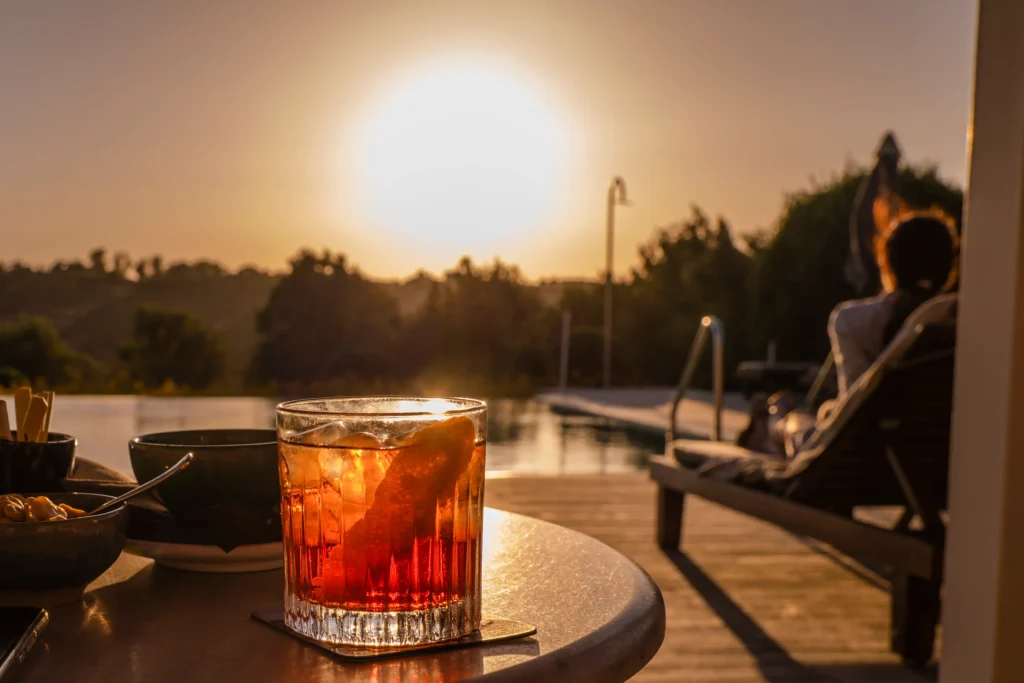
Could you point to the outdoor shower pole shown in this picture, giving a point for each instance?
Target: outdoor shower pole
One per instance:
(616, 196)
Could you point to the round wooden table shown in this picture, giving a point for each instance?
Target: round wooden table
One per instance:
(599, 618)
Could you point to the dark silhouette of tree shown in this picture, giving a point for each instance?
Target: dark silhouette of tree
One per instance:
(252, 271)
(196, 270)
(686, 271)
(585, 301)
(31, 349)
(421, 275)
(98, 260)
(61, 266)
(157, 266)
(209, 269)
(325, 321)
(175, 346)
(122, 262)
(93, 310)
(485, 322)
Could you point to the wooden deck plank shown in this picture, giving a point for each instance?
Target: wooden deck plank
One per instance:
(745, 602)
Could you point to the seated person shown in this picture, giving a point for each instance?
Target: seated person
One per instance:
(917, 259)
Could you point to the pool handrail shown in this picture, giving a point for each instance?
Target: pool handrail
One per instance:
(709, 324)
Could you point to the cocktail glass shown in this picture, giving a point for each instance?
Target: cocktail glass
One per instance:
(382, 513)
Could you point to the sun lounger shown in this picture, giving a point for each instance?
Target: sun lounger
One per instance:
(885, 444)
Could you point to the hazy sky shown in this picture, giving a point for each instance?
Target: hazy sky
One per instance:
(224, 129)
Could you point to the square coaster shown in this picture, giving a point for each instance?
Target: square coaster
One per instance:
(492, 630)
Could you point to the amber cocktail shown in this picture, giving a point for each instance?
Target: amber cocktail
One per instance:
(382, 509)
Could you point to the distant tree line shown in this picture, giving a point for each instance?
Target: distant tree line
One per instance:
(169, 350)
(480, 328)
(163, 346)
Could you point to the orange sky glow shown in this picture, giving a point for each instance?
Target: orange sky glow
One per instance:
(406, 133)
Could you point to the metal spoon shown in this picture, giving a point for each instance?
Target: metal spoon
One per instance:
(142, 488)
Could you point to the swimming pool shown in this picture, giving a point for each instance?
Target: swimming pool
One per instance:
(524, 436)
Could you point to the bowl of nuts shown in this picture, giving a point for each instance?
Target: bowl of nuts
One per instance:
(51, 541)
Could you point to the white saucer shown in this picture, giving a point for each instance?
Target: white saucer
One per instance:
(210, 558)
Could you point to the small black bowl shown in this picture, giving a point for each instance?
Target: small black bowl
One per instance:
(63, 553)
(229, 495)
(29, 466)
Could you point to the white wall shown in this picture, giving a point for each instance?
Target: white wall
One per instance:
(983, 613)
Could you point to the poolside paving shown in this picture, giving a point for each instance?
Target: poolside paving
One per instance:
(745, 601)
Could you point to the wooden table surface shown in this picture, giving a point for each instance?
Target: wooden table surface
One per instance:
(599, 618)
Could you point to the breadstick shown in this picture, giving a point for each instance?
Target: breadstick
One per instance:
(5, 422)
(22, 397)
(34, 418)
(45, 435)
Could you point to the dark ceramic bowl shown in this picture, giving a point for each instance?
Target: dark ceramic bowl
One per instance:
(26, 466)
(230, 491)
(64, 553)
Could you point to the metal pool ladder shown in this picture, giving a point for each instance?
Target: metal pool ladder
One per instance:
(709, 324)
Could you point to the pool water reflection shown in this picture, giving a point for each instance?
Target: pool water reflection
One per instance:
(528, 437)
(524, 436)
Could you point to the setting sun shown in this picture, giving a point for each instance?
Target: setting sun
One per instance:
(465, 152)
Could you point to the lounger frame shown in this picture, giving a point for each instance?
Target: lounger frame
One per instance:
(894, 451)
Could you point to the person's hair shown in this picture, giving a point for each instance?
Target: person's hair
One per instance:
(917, 254)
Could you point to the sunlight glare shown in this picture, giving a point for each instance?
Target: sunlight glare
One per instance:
(434, 406)
(460, 153)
